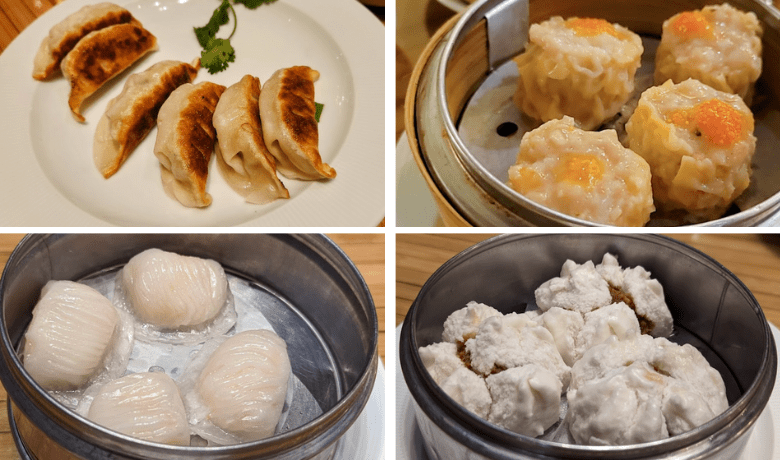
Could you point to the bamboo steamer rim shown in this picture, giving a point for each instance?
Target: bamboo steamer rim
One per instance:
(449, 214)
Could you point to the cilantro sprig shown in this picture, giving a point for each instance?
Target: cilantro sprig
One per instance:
(218, 52)
(216, 55)
(218, 18)
(252, 4)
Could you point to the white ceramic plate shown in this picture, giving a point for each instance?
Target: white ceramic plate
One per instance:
(764, 442)
(47, 175)
(366, 437)
(415, 206)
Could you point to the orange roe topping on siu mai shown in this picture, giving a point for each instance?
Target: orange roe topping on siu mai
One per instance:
(692, 24)
(579, 169)
(590, 27)
(719, 123)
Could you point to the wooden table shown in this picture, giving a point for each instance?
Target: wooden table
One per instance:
(367, 251)
(416, 22)
(755, 259)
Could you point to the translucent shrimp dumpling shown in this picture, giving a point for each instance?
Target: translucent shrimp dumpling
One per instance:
(69, 336)
(244, 384)
(146, 405)
(172, 291)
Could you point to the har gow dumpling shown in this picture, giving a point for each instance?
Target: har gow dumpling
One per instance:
(131, 115)
(172, 291)
(145, 405)
(64, 35)
(100, 56)
(243, 159)
(185, 141)
(287, 112)
(244, 384)
(69, 336)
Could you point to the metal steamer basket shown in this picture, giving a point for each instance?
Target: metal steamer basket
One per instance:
(712, 310)
(470, 56)
(303, 286)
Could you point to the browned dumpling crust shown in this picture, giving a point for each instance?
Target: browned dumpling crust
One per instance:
(64, 35)
(100, 56)
(131, 115)
(185, 141)
(287, 111)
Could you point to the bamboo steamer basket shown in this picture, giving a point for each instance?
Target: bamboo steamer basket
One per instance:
(468, 48)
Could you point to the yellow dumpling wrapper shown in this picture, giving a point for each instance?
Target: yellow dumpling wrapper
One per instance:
(718, 45)
(699, 143)
(584, 174)
(580, 67)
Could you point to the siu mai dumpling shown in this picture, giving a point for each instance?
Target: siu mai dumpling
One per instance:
(580, 67)
(287, 112)
(69, 336)
(145, 405)
(172, 291)
(718, 45)
(130, 116)
(244, 384)
(585, 174)
(100, 56)
(242, 156)
(64, 35)
(185, 141)
(699, 144)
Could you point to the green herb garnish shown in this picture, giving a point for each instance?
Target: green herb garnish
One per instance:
(252, 4)
(217, 52)
(218, 18)
(318, 110)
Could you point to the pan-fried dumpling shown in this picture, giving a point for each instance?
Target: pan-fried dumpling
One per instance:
(244, 384)
(64, 35)
(131, 115)
(242, 156)
(185, 141)
(287, 113)
(69, 336)
(145, 405)
(173, 291)
(100, 56)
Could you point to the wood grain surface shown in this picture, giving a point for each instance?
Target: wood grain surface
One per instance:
(755, 259)
(367, 251)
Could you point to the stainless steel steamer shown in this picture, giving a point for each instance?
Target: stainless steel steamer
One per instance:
(712, 310)
(318, 299)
